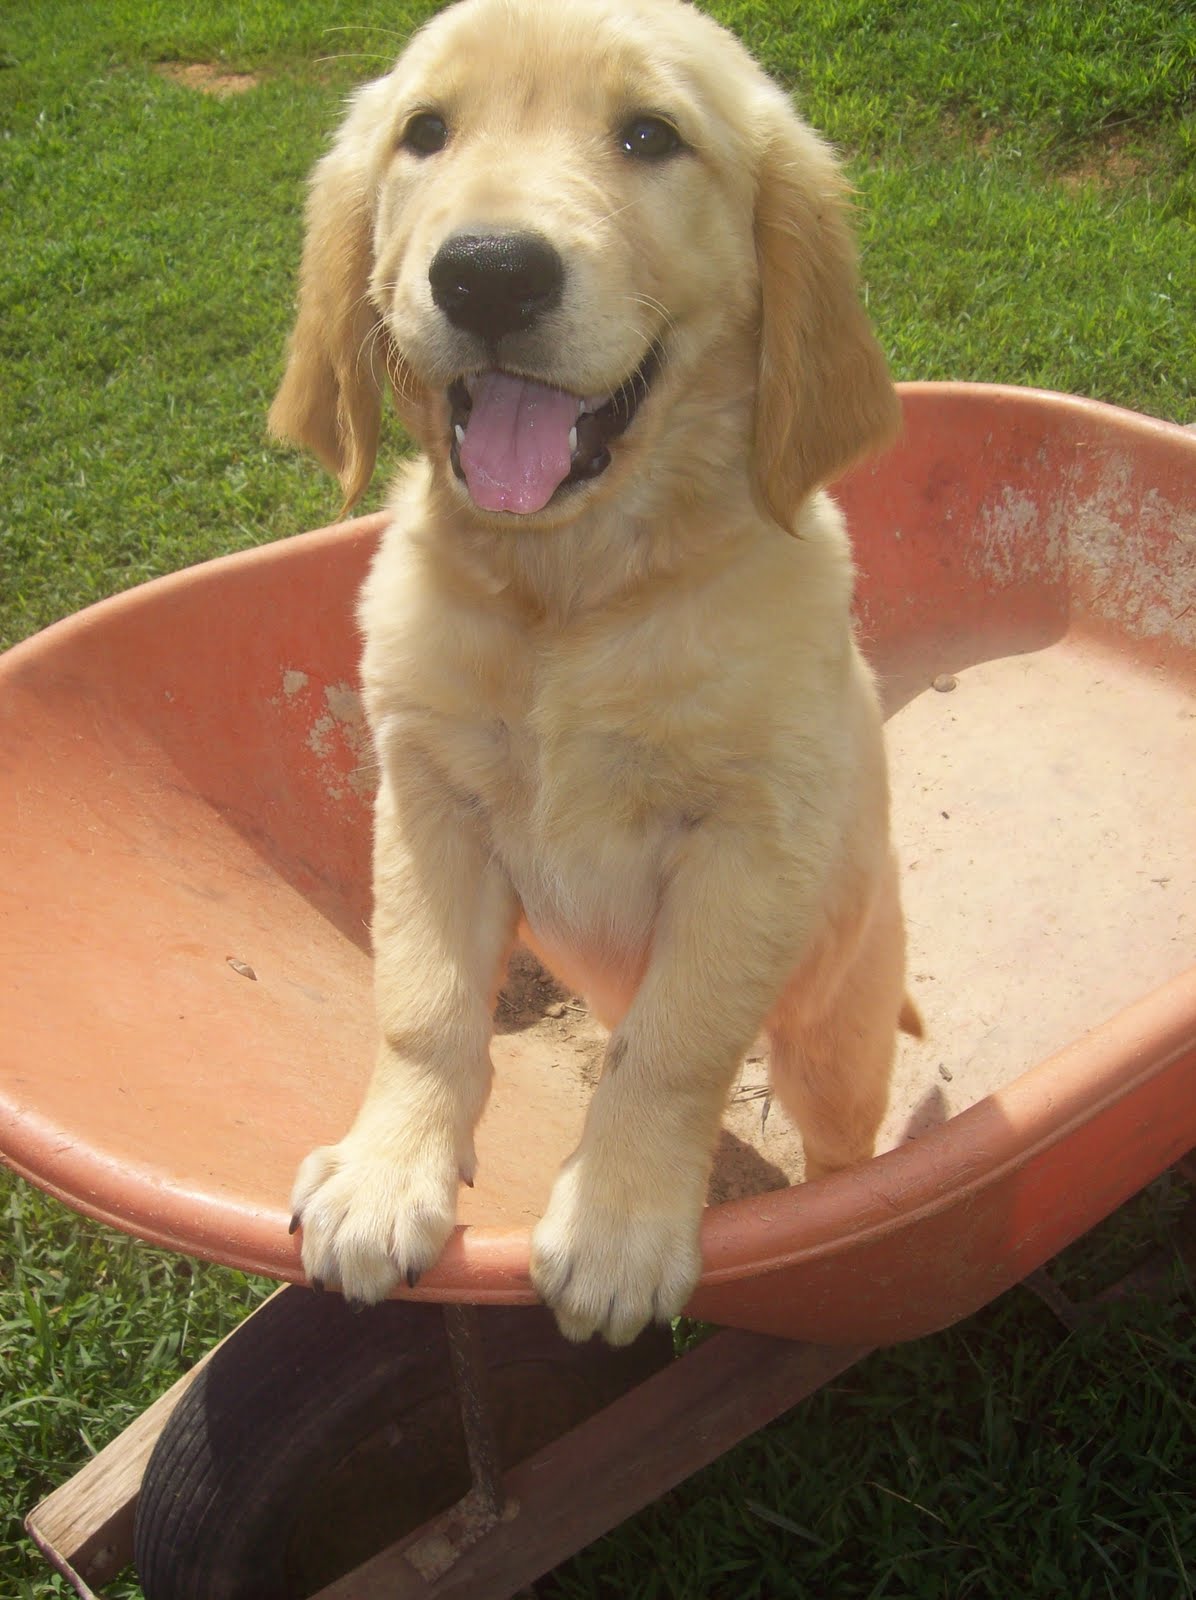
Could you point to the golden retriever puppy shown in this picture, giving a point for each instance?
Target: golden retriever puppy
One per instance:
(607, 275)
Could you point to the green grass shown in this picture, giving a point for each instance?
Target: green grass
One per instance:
(1027, 178)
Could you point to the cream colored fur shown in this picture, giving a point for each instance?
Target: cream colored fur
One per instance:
(635, 726)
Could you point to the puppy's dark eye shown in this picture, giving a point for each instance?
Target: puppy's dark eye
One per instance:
(649, 139)
(425, 135)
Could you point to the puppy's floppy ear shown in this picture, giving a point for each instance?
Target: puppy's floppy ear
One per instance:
(824, 397)
(330, 399)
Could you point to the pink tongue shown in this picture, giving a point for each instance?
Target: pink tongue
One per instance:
(515, 454)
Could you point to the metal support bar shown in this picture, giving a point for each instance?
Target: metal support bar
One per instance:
(470, 1379)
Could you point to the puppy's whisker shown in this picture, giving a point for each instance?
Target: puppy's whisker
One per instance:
(367, 350)
(658, 309)
(367, 27)
(611, 215)
(358, 30)
(365, 299)
(399, 375)
(396, 370)
(654, 304)
(593, 229)
(366, 358)
(356, 55)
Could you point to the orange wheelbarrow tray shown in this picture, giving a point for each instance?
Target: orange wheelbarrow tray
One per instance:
(185, 790)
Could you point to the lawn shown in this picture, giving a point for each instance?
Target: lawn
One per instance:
(1027, 198)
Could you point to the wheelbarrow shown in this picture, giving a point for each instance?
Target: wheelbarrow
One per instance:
(185, 790)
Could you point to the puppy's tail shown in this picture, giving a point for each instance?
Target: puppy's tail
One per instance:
(909, 1019)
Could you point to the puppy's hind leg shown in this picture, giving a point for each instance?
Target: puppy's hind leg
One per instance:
(832, 1054)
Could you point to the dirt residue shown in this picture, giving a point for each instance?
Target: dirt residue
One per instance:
(340, 739)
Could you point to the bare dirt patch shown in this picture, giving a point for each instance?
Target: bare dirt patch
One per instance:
(207, 78)
(1119, 160)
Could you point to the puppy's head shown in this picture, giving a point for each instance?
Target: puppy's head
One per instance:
(579, 242)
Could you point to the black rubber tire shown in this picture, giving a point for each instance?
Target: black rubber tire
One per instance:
(317, 1435)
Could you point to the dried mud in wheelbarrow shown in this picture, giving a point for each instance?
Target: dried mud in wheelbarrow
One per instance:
(184, 820)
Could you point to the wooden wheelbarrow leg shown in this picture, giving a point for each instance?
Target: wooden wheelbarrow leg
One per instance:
(85, 1528)
(591, 1478)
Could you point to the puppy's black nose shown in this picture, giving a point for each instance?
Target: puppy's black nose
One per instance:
(499, 283)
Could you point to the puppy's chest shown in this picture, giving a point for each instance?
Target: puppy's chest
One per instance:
(580, 810)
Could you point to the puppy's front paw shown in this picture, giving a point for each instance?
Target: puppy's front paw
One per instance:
(613, 1268)
(371, 1217)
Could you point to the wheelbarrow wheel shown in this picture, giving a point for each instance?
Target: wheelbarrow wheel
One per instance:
(316, 1436)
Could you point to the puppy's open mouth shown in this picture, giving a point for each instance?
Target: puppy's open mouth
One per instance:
(517, 443)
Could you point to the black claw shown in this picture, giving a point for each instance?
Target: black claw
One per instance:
(296, 1223)
(318, 1285)
(412, 1277)
(357, 1306)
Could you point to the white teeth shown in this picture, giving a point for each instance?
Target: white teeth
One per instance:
(572, 440)
(460, 432)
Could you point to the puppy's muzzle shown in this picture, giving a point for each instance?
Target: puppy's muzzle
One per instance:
(492, 285)
(516, 441)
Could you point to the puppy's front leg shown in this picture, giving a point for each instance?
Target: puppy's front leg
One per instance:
(378, 1207)
(618, 1244)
